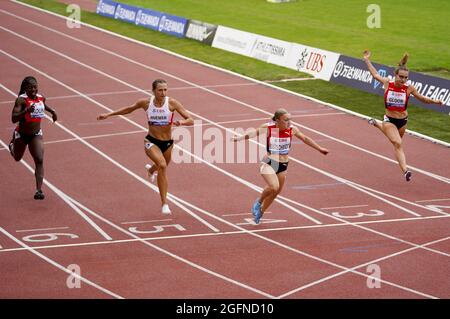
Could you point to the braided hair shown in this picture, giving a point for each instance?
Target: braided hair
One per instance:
(25, 82)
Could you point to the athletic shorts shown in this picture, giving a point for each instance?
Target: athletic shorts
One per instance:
(163, 145)
(278, 167)
(399, 123)
(27, 137)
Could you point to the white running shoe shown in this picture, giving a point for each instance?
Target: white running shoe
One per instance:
(152, 176)
(166, 210)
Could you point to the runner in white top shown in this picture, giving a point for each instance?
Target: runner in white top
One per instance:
(158, 143)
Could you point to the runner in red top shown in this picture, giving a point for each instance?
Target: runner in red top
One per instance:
(396, 103)
(28, 111)
(274, 164)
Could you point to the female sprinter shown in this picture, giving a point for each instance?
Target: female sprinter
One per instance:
(274, 165)
(28, 111)
(396, 103)
(158, 143)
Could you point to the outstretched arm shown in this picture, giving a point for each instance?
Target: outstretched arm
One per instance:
(309, 141)
(124, 110)
(424, 99)
(177, 106)
(372, 69)
(250, 133)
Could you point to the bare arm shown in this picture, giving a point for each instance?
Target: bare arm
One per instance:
(125, 110)
(250, 133)
(20, 110)
(422, 98)
(309, 141)
(177, 106)
(372, 69)
(52, 111)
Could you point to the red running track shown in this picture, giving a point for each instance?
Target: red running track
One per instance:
(339, 215)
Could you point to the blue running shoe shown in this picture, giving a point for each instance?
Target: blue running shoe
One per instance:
(256, 211)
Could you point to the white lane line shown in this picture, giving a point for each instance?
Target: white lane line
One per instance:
(54, 263)
(85, 138)
(432, 200)
(97, 123)
(315, 186)
(186, 203)
(243, 214)
(298, 204)
(170, 197)
(229, 233)
(319, 102)
(40, 229)
(67, 199)
(147, 221)
(259, 189)
(286, 294)
(179, 258)
(344, 207)
(356, 186)
(235, 177)
(187, 127)
(433, 209)
(432, 175)
(75, 96)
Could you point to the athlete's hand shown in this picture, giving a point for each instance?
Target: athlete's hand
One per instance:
(54, 117)
(177, 123)
(30, 109)
(103, 116)
(324, 151)
(367, 55)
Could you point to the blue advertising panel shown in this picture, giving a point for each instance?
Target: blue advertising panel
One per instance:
(126, 13)
(106, 8)
(148, 18)
(172, 25)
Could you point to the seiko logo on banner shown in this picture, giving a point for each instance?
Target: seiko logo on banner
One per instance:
(106, 8)
(352, 73)
(170, 25)
(124, 14)
(145, 19)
